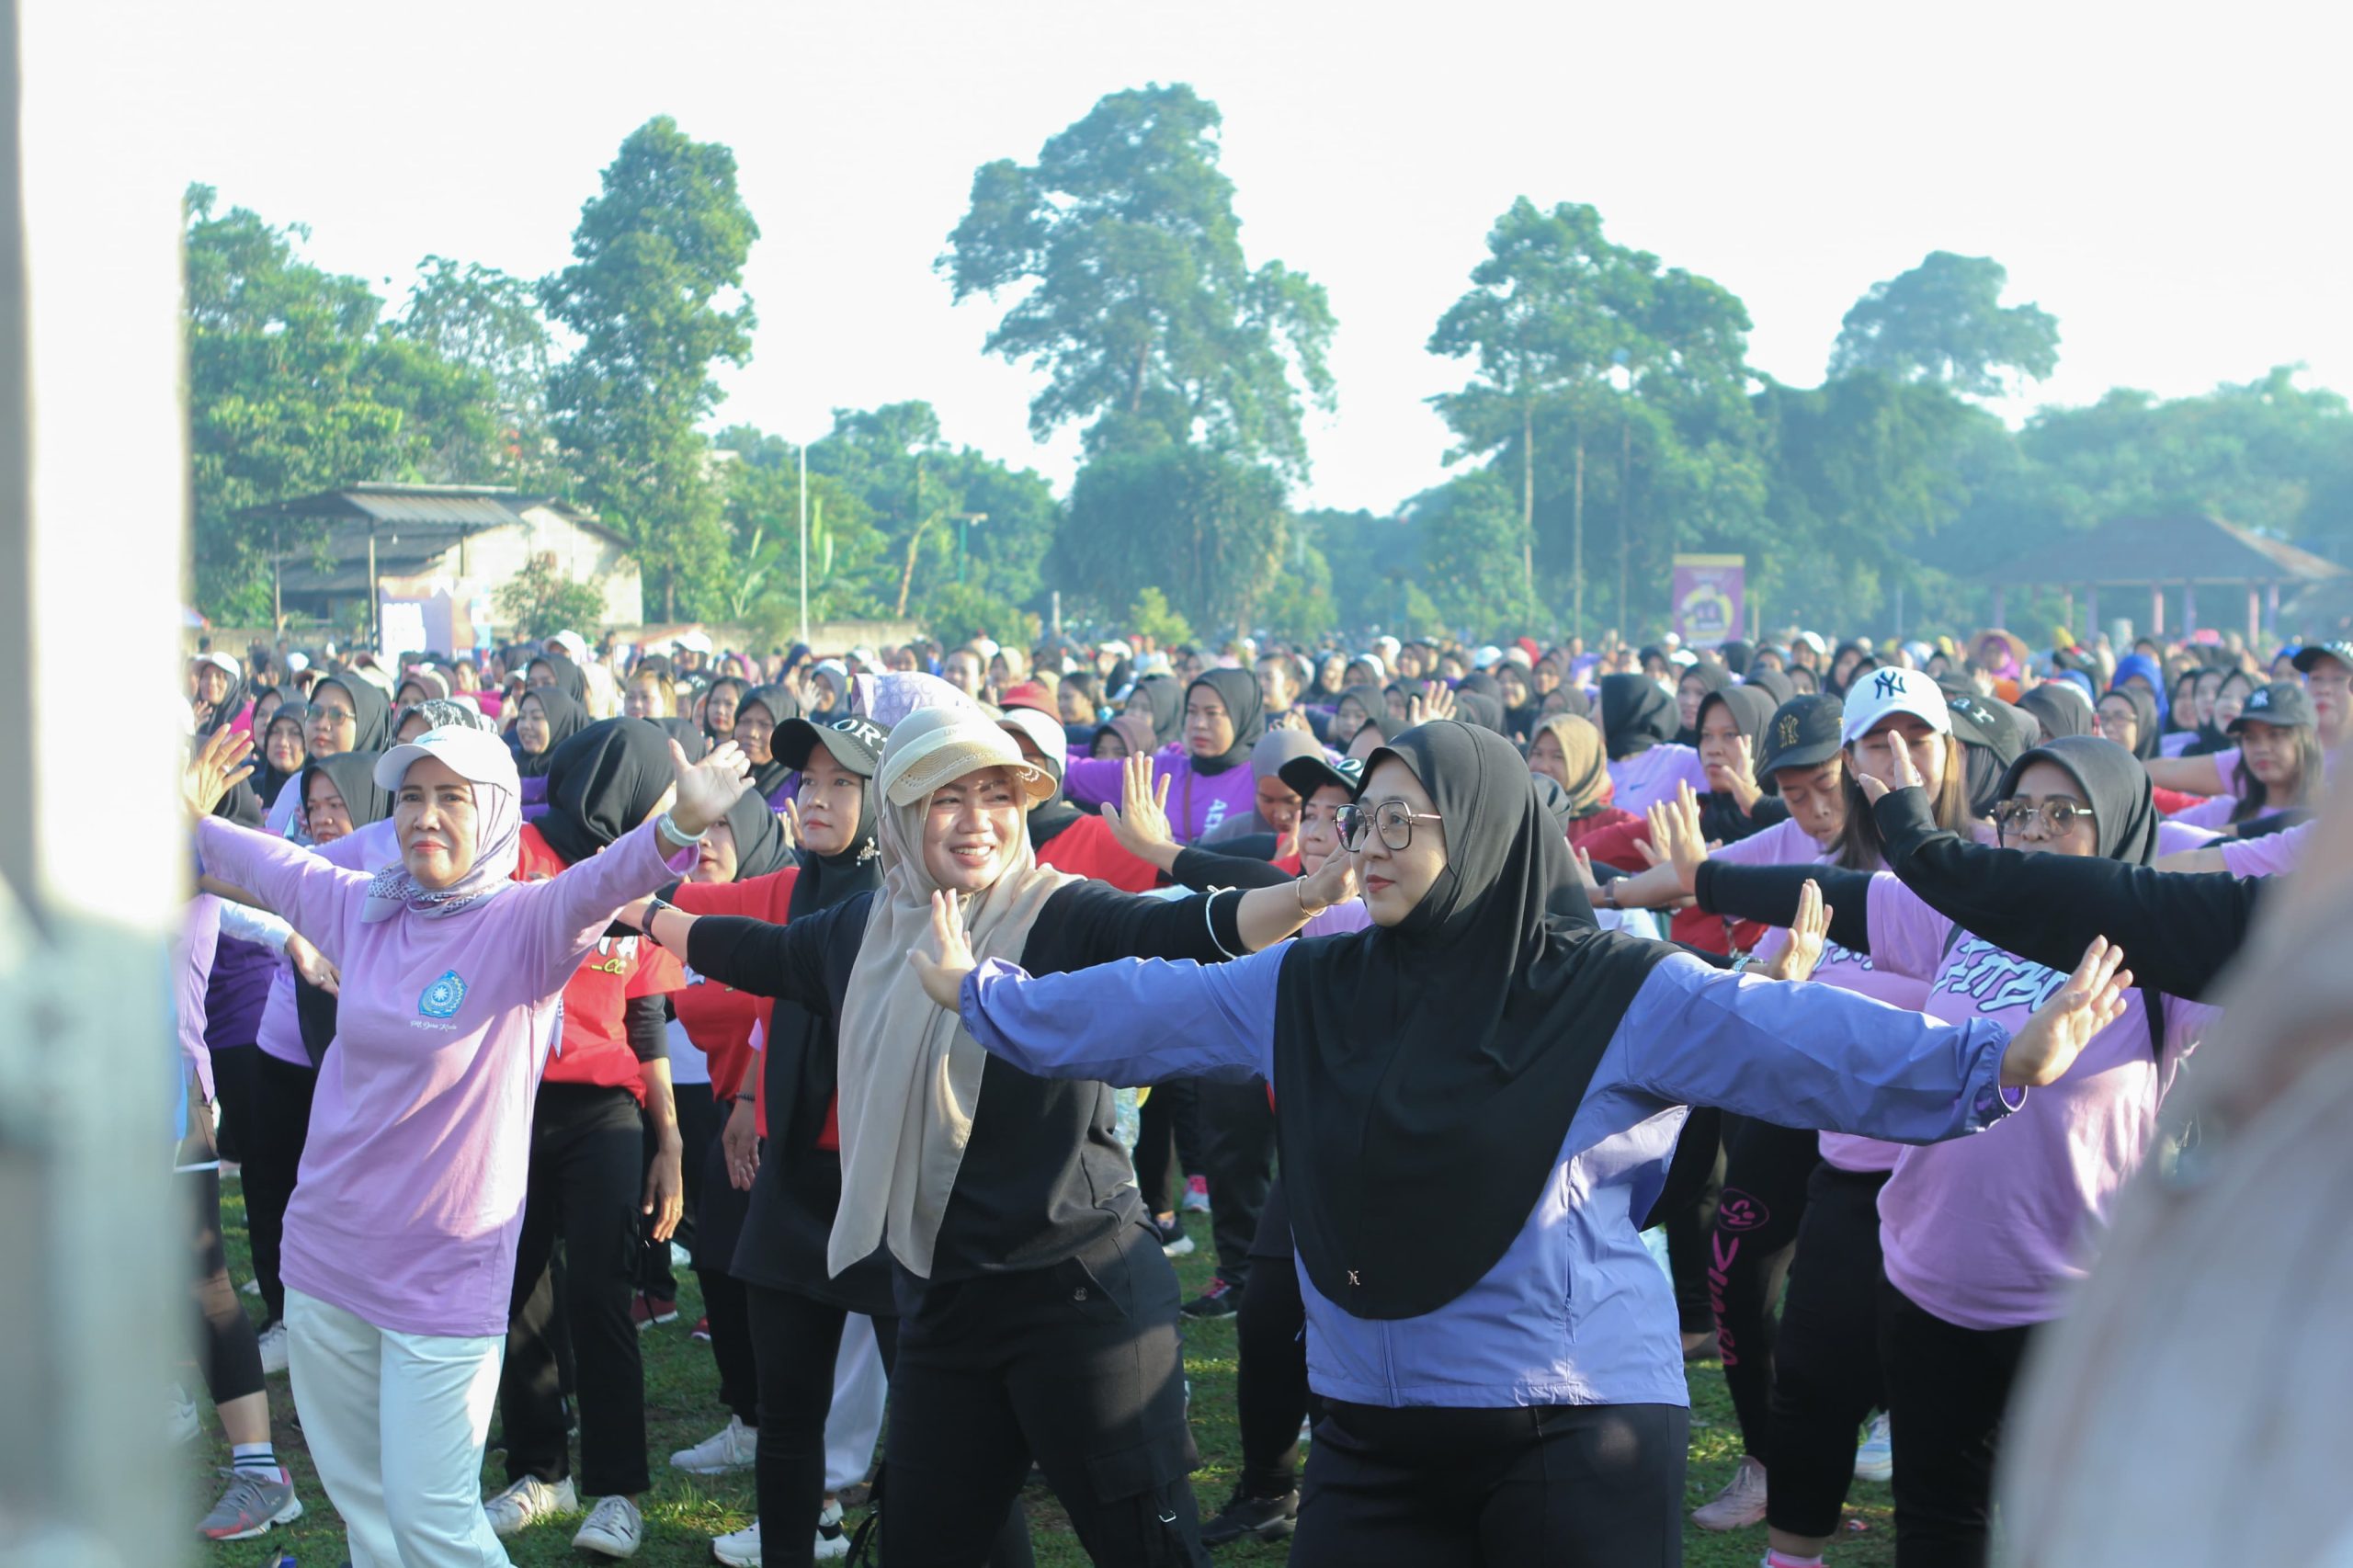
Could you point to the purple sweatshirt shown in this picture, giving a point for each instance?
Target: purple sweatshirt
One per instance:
(411, 1190)
(362, 850)
(1196, 801)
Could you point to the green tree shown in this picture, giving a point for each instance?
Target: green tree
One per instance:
(1138, 298)
(1149, 616)
(1472, 542)
(294, 386)
(955, 613)
(541, 601)
(850, 573)
(1211, 529)
(655, 296)
(1944, 321)
(478, 316)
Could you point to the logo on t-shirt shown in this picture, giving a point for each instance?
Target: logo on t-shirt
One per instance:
(443, 998)
(1996, 980)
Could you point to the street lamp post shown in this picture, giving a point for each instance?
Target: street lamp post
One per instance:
(963, 523)
(1621, 377)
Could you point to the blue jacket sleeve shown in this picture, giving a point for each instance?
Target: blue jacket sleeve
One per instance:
(1135, 1021)
(1812, 1056)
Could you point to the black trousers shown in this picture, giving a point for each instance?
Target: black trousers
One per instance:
(1568, 1487)
(1749, 1248)
(1238, 1135)
(1078, 1364)
(273, 1145)
(719, 1211)
(230, 1350)
(1687, 1228)
(587, 1182)
(1270, 1392)
(1825, 1363)
(1946, 1387)
(1167, 1144)
(232, 1087)
(796, 1339)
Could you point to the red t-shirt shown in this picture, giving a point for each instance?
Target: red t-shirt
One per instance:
(1614, 845)
(1087, 848)
(722, 1016)
(593, 1045)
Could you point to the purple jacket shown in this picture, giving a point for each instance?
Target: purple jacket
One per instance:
(1196, 801)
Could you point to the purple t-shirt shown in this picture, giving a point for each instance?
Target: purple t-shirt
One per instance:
(411, 1189)
(1649, 777)
(1196, 801)
(1992, 1233)
(2273, 855)
(366, 848)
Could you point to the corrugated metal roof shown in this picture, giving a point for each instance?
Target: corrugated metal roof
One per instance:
(2127, 551)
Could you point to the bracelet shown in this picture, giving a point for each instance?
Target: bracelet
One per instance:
(1609, 893)
(1299, 886)
(675, 834)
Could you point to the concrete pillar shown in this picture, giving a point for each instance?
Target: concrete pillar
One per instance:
(2254, 620)
(2188, 608)
(2091, 611)
(2156, 610)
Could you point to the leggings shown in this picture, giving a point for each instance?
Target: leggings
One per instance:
(1749, 1247)
(1946, 1387)
(1568, 1487)
(1825, 1360)
(233, 1088)
(1167, 1144)
(1687, 1248)
(719, 1212)
(1270, 1392)
(795, 1339)
(232, 1353)
(274, 1141)
(1237, 1124)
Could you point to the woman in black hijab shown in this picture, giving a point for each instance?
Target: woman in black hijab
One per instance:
(1162, 698)
(281, 749)
(1773, 683)
(561, 674)
(764, 711)
(1635, 715)
(1476, 1095)
(1702, 680)
(2060, 709)
(2128, 716)
(544, 719)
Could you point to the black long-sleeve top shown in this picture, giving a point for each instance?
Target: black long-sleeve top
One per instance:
(1204, 868)
(2178, 931)
(1044, 1176)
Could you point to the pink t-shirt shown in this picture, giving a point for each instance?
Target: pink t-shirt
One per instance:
(1991, 1231)
(2174, 835)
(411, 1188)
(1649, 777)
(2273, 855)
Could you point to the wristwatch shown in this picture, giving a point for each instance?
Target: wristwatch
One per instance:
(654, 904)
(1609, 893)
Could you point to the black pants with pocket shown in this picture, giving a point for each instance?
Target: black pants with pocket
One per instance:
(1749, 1248)
(1825, 1363)
(1946, 1387)
(274, 1143)
(1568, 1487)
(1079, 1364)
(587, 1184)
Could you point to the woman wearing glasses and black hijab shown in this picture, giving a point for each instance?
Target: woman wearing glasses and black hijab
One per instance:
(1479, 1101)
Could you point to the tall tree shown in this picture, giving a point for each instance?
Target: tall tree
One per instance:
(655, 296)
(1139, 299)
(1944, 321)
(477, 316)
(1473, 538)
(294, 386)
(1217, 529)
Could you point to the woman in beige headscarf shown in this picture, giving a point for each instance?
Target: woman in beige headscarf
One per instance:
(1039, 1318)
(1567, 749)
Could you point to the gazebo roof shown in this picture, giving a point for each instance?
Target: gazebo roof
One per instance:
(2182, 547)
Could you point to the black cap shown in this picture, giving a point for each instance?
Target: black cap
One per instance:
(1305, 774)
(2307, 658)
(1982, 721)
(1802, 733)
(855, 743)
(2283, 702)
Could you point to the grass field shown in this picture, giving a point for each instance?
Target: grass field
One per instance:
(684, 1512)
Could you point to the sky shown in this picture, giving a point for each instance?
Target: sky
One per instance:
(2160, 178)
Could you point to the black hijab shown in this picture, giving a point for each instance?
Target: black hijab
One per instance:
(1773, 683)
(569, 677)
(2147, 732)
(2114, 784)
(2057, 713)
(1371, 698)
(232, 701)
(1428, 1071)
(372, 712)
(601, 783)
(1166, 700)
(1478, 708)
(1635, 715)
(266, 780)
(1238, 689)
(768, 776)
(1714, 677)
(353, 774)
(689, 734)
(1720, 818)
(566, 719)
(761, 848)
(1734, 656)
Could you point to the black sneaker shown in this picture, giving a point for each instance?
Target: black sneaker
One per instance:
(1253, 1518)
(1219, 1300)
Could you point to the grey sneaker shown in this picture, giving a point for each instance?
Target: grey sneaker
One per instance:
(251, 1505)
(615, 1528)
(1740, 1505)
(527, 1502)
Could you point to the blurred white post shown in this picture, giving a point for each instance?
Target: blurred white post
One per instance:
(804, 543)
(94, 862)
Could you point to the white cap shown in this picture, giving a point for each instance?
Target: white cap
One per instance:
(1486, 657)
(298, 660)
(1043, 733)
(692, 642)
(478, 756)
(1116, 648)
(221, 662)
(1813, 640)
(1882, 692)
(573, 645)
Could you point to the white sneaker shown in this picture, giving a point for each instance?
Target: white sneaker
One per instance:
(733, 1448)
(833, 1537)
(527, 1502)
(1875, 1460)
(741, 1550)
(1740, 1505)
(615, 1527)
(250, 1287)
(182, 1420)
(273, 1348)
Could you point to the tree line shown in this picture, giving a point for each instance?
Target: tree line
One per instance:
(1608, 418)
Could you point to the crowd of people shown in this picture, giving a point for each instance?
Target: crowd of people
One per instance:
(1530, 1023)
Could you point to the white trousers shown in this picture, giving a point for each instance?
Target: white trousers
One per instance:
(396, 1425)
(854, 1423)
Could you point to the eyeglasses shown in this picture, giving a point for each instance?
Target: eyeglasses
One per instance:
(1392, 819)
(2056, 816)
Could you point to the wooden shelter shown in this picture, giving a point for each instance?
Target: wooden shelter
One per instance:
(2184, 551)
